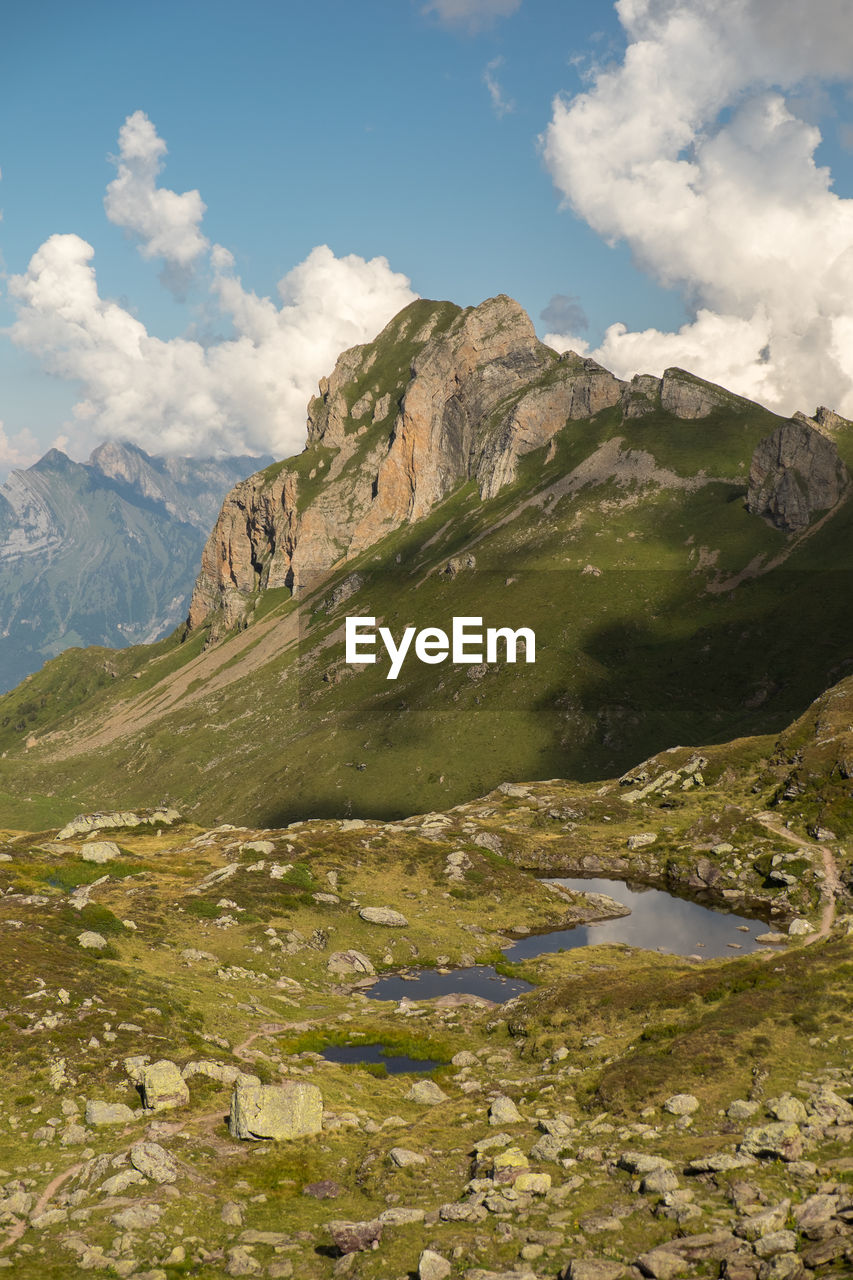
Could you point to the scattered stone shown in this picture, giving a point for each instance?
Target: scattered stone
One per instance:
(100, 1113)
(346, 962)
(720, 1162)
(464, 1058)
(153, 1161)
(384, 915)
(258, 846)
(139, 1217)
(401, 1217)
(799, 928)
(119, 1182)
(356, 1237)
(775, 1242)
(325, 1190)
(779, 1141)
(641, 839)
(504, 1111)
(787, 1108)
(681, 1104)
(232, 1214)
(163, 1086)
(593, 1269)
(100, 851)
(659, 1181)
(403, 1158)
(432, 1266)
(289, 1110)
(661, 1264)
(741, 1109)
(92, 941)
(427, 1092)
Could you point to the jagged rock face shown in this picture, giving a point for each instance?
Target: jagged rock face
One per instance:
(795, 472)
(689, 397)
(441, 397)
(473, 404)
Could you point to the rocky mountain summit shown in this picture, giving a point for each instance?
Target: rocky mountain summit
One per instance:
(443, 397)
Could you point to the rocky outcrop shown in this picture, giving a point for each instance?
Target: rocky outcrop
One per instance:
(689, 397)
(795, 473)
(389, 437)
(289, 1110)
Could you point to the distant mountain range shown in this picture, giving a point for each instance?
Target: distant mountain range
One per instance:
(102, 552)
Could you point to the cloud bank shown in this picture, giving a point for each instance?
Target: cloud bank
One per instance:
(246, 393)
(692, 151)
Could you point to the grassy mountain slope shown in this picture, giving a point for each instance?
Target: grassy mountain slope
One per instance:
(664, 613)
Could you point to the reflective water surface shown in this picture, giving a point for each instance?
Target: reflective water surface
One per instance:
(658, 922)
(394, 1064)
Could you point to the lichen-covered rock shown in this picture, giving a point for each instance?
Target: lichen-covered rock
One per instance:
(100, 851)
(163, 1086)
(782, 1141)
(427, 1092)
(384, 915)
(99, 1113)
(795, 472)
(292, 1109)
(504, 1111)
(91, 941)
(154, 1162)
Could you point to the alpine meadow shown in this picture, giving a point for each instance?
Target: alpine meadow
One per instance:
(426, 732)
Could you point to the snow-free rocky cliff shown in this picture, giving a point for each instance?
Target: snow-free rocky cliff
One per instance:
(441, 397)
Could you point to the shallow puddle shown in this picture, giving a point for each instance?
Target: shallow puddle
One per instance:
(394, 1064)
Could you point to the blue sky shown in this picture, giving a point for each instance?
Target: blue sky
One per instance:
(371, 128)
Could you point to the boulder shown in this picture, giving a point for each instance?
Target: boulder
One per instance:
(356, 1237)
(91, 941)
(292, 1109)
(402, 1157)
(99, 1113)
(350, 962)
(384, 915)
(504, 1111)
(787, 1108)
(681, 1104)
(154, 1162)
(432, 1266)
(780, 1141)
(100, 851)
(661, 1264)
(593, 1269)
(163, 1086)
(426, 1091)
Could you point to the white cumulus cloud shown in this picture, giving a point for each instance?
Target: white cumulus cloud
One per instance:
(166, 224)
(245, 393)
(691, 151)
